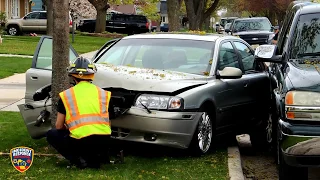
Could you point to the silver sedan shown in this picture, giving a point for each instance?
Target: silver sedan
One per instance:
(177, 90)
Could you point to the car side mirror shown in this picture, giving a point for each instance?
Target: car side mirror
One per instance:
(25, 17)
(227, 30)
(229, 73)
(267, 53)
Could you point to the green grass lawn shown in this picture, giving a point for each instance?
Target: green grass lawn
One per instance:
(11, 65)
(26, 45)
(153, 163)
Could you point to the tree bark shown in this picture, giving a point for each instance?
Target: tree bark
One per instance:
(60, 55)
(197, 12)
(173, 14)
(49, 4)
(101, 8)
(100, 21)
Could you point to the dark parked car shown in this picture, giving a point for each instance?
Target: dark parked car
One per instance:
(256, 31)
(164, 27)
(119, 23)
(295, 72)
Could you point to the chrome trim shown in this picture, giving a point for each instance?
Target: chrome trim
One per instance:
(310, 109)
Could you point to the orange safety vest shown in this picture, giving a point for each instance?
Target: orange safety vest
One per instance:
(86, 110)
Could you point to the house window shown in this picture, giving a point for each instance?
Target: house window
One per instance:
(163, 19)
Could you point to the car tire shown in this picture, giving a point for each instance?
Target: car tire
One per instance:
(205, 129)
(263, 136)
(13, 30)
(287, 172)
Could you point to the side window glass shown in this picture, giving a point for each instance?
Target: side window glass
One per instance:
(247, 56)
(227, 57)
(43, 16)
(118, 18)
(44, 60)
(33, 16)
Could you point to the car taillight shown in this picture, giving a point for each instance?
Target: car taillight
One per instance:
(70, 22)
(147, 25)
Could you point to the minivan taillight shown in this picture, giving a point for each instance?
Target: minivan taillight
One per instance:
(147, 25)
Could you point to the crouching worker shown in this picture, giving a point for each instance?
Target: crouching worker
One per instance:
(83, 130)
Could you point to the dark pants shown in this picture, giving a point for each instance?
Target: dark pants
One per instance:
(93, 149)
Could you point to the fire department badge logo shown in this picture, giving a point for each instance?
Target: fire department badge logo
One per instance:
(21, 158)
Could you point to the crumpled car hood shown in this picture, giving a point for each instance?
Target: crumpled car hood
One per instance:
(140, 79)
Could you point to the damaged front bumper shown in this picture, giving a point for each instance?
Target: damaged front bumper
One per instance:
(300, 144)
(173, 129)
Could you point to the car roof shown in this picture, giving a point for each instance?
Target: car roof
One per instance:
(229, 18)
(239, 19)
(186, 36)
(306, 8)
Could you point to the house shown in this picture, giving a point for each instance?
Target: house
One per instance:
(164, 11)
(15, 8)
(125, 9)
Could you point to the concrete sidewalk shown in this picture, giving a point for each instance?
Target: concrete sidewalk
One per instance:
(13, 88)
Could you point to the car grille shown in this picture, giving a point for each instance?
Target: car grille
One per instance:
(119, 132)
(255, 39)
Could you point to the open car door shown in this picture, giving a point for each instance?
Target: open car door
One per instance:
(39, 75)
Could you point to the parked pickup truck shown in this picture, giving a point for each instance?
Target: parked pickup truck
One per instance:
(255, 31)
(119, 23)
(35, 21)
(295, 81)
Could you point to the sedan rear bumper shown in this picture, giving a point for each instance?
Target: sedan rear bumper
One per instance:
(300, 144)
(173, 129)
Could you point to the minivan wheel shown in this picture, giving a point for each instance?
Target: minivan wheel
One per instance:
(203, 135)
(13, 30)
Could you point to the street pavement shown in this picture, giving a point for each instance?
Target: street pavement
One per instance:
(12, 89)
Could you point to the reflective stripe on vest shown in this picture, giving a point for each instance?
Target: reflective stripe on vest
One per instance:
(91, 109)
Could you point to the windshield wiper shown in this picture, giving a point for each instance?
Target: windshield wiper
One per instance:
(315, 54)
(145, 107)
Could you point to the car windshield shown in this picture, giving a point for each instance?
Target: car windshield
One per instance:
(252, 25)
(306, 38)
(225, 21)
(188, 56)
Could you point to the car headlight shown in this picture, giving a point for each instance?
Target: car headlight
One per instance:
(152, 101)
(302, 105)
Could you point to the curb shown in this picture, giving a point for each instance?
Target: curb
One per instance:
(234, 164)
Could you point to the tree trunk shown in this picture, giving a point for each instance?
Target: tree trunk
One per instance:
(60, 55)
(101, 8)
(197, 12)
(173, 14)
(49, 4)
(101, 21)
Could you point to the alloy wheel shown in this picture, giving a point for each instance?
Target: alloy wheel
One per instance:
(205, 133)
(269, 129)
(12, 31)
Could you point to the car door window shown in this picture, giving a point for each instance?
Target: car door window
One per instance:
(44, 60)
(43, 16)
(227, 56)
(246, 56)
(35, 15)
